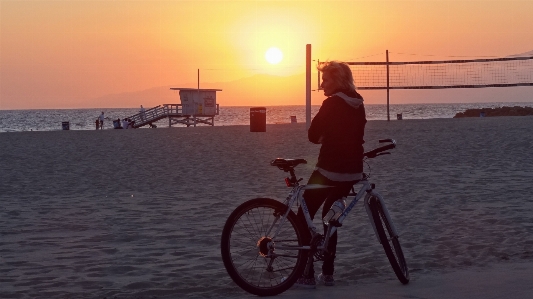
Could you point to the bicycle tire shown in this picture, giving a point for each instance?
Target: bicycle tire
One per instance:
(243, 247)
(390, 243)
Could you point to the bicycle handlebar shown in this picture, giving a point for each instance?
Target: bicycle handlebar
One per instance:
(378, 151)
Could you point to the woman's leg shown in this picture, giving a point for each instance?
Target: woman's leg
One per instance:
(314, 199)
(342, 189)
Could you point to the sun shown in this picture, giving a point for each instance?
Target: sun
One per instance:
(273, 55)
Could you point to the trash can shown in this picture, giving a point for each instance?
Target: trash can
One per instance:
(65, 125)
(293, 119)
(399, 116)
(116, 124)
(258, 119)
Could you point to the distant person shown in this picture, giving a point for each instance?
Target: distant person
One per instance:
(125, 123)
(339, 127)
(97, 123)
(143, 113)
(101, 118)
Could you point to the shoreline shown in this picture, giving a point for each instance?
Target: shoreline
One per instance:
(286, 123)
(45, 120)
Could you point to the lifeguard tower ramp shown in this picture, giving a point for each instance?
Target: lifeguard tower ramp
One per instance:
(198, 106)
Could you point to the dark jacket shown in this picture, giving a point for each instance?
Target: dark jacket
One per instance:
(339, 126)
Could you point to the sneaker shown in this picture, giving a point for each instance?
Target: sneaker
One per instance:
(326, 279)
(306, 283)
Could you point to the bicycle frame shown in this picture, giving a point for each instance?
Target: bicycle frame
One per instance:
(296, 195)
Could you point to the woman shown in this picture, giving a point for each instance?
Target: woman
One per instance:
(339, 127)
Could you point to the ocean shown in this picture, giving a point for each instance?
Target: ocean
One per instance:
(84, 119)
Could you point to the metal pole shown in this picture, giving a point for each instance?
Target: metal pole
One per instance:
(307, 86)
(387, 57)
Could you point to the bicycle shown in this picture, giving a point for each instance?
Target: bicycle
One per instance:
(262, 243)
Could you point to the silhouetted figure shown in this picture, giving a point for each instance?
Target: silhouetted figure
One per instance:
(101, 119)
(143, 114)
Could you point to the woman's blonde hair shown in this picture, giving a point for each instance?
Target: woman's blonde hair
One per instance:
(338, 71)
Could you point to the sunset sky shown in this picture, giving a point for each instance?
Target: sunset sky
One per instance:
(65, 54)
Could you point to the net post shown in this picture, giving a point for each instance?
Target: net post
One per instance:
(307, 86)
(387, 60)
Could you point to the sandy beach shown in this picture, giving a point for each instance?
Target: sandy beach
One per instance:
(139, 213)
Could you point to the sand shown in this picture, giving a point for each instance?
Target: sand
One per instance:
(139, 213)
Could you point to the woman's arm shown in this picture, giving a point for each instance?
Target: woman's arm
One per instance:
(318, 125)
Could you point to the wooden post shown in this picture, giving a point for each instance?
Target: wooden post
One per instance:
(307, 86)
(387, 58)
(318, 77)
(194, 115)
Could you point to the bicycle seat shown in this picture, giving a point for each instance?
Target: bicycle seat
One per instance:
(287, 164)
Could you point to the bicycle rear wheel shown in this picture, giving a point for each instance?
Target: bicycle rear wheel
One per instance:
(389, 241)
(253, 259)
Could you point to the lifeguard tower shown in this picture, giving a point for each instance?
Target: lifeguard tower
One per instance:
(198, 106)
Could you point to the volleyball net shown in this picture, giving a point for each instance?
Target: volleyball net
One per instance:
(476, 73)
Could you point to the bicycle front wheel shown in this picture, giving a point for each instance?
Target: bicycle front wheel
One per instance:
(389, 241)
(256, 260)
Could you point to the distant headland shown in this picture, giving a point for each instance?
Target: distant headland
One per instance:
(501, 111)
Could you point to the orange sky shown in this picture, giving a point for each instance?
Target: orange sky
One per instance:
(64, 54)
